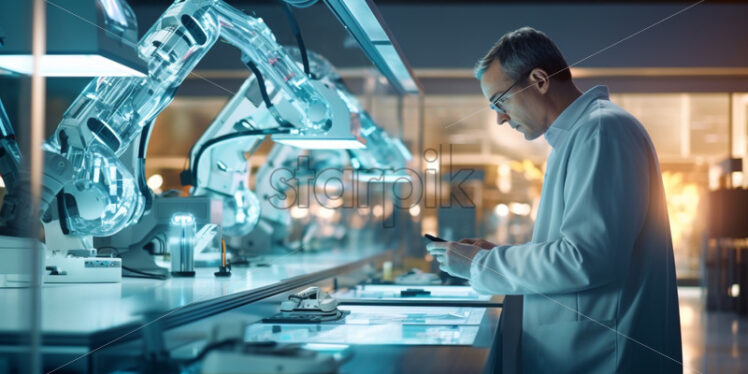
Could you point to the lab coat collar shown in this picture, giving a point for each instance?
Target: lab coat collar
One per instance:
(569, 118)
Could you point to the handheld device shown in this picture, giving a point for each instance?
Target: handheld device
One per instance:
(433, 238)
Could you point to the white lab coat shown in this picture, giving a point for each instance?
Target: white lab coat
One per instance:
(598, 277)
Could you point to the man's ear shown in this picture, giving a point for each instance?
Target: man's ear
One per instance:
(540, 79)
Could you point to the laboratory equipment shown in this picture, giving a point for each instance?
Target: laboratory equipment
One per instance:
(373, 325)
(185, 240)
(218, 166)
(16, 240)
(383, 156)
(140, 244)
(219, 169)
(181, 244)
(102, 197)
(311, 305)
(10, 155)
(393, 292)
(383, 160)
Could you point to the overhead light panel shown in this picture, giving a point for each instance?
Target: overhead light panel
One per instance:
(342, 134)
(369, 22)
(397, 67)
(363, 20)
(325, 143)
(68, 66)
(84, 38)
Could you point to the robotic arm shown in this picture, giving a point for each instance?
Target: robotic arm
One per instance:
(91, 191)
(383, 156)
(218, 166)
(111, 112)
(16, 209)
(10, 155)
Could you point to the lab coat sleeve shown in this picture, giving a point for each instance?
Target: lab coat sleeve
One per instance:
(605, 197)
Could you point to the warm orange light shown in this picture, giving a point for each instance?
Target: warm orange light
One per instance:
(682, 205)
(530, 171)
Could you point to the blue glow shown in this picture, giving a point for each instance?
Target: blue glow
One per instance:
(362, 13)
(396, 65)
(183, 219)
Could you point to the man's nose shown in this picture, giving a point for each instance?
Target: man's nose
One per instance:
(502, 118)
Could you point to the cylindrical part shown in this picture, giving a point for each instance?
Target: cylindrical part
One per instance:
(181, 244)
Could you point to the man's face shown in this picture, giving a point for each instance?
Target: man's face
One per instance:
(518, 103)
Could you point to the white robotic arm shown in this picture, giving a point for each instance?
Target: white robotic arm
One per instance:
(218, 166)
(219, 169)
(111, 112)
(383, 156)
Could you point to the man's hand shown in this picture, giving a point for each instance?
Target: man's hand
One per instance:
(453, 257)
(485, 244)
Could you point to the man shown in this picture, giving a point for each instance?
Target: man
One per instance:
(598, 277)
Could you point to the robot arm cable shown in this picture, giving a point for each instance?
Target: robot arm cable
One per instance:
(299, 40)
(260, 82)
(145, 137)
(189, 177)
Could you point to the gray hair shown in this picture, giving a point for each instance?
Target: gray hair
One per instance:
(522, 50)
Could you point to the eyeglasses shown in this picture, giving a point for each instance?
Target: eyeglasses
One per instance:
(497, 101)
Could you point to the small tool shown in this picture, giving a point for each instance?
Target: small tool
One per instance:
(225, 269)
